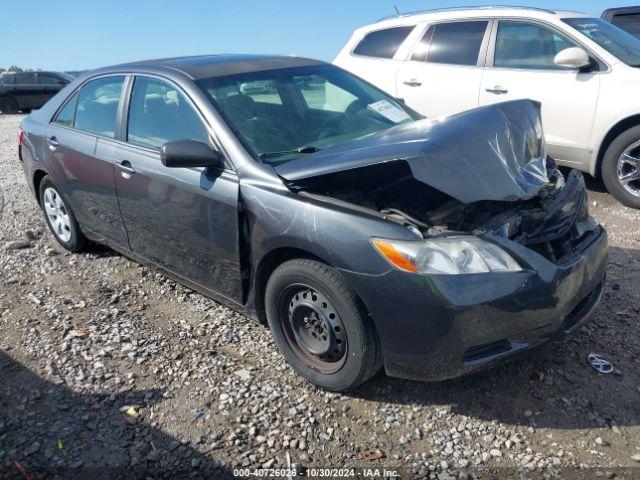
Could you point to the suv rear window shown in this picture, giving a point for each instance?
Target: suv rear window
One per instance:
(383, 43)
(456, 43)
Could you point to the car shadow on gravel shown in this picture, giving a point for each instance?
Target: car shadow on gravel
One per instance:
(53, 432)
(555, 387)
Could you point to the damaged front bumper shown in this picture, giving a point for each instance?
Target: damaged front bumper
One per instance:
(435, 327)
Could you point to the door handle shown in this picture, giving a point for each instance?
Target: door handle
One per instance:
(126, 168)
(413, 82)
(53, 143)
(498, 90)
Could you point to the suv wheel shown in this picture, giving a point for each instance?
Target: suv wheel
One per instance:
(8, 105)
(59, 217)
(320, 325)
(621, 168)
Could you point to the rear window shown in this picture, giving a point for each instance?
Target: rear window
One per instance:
(98, 106)
(382, 43)
(67, 113)
(456, 43)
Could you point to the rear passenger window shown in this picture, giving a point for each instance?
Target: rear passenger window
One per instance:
(65, 116)
(24, 79)
(456, 43)
(98, 106)
(159, 113)
(383, 43)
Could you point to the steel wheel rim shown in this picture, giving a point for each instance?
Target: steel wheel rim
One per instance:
(628, 169)
(57, 214)
(313, 329)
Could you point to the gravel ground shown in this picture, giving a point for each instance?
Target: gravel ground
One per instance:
(110, 370)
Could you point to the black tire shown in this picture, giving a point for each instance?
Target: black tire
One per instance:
(609, 168)
(76, 241)
(361, 357)
(8, 105)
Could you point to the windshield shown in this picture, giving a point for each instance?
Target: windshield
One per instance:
(282, 114)
(614, 40)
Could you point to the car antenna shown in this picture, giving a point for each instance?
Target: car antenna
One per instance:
(397, 10)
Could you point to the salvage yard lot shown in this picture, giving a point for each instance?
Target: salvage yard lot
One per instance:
(106, 365)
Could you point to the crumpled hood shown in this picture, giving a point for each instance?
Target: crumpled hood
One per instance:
(495, 152)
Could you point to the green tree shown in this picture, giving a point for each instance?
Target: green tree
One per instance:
(14, 68)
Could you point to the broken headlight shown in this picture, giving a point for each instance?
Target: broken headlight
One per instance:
(447, 255)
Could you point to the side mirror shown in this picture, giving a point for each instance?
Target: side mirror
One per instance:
(189, 153)
(573, 57)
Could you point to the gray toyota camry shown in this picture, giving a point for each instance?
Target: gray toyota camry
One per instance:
(292, 191)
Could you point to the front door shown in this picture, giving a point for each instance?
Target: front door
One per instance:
(182, 219)
(522, 66)
(444, 71)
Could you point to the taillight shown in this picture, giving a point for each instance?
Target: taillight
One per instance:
(20, 137)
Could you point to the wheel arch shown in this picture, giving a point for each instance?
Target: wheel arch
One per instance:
(269, 262)
(38, 175)
(611, 135)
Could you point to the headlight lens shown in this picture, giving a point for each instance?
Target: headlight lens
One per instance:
(452, 255)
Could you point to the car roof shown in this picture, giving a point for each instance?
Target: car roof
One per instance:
(206, 66)
(471, 12)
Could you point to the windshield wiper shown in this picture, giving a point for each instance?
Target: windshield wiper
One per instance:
(307, 149)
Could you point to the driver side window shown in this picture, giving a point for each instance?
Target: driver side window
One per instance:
(159, 113)
(524, 45)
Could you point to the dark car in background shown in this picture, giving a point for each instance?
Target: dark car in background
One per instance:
(626, 18)
(362, 234)
(29, 90)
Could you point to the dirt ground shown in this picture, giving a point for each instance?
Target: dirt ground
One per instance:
(110, 370)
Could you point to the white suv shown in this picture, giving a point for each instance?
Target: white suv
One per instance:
(584, 71)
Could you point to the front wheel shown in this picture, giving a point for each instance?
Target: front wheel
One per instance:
(621, 168)
(320, 325)
(59, 216)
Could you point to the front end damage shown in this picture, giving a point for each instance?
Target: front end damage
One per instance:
(482, 173)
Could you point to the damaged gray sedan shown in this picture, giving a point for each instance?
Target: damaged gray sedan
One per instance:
(300, 195)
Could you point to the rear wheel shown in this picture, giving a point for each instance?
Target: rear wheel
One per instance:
(59, 217)
(8, 105)
(621, 168)
(321, 326)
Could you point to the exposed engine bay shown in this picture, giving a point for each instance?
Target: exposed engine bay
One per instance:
(553, 223)
(482, 172)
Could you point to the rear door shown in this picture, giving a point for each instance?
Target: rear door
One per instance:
(521, 65)
(81, 147)
(182, 219)
(442, 75)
